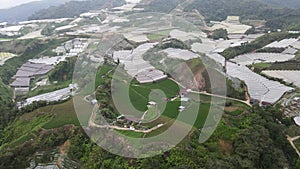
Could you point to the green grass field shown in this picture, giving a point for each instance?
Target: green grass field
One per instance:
(48, 88)
(159, 35)
(151, 114)
(139, 94)
(161, 92)
(103, 70)
(139, 98)
(63, 114)
(262, 66)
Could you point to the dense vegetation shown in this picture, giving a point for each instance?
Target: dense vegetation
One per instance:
(74, 8)
(219, 33)
(63, 71)
(165, 6)
(277, 18)
(270, 50)
(50, 27)
(17, 156)
(282, 3)
(288, 65)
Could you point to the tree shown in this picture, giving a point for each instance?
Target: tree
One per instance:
(220, 33)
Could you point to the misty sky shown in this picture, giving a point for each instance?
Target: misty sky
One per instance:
(11, 3)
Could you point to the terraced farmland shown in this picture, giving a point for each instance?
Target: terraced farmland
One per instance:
(4, 56)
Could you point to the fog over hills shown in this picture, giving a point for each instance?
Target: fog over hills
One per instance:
(22, 12)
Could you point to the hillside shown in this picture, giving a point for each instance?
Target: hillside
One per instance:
(241, 140)
(22, 12)
(279, 14)
(283, 3)
(161, 5)
(74, 8)
(123, 88)
(277, 18)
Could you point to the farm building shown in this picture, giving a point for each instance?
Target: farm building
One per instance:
(60, 50)
(185, 36)
(251, 58)
(48, 60)
(185, 99)
(59, 20)
(11, 30)
(22, 82)
(52, 96)
(261, 89)
(136, 67)
(233, 19)
(233, 26)
(282, 44)
(290, 50)
(28, 71)
(296, 45)
(289, 76)
(33, 70)
(150, 75)
(88, 15)
(297, 121)
(180, 54)
(64, 28)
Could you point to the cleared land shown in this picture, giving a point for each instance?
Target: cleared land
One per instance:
(151, 114)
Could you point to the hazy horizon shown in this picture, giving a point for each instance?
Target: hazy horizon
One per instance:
(5, 4)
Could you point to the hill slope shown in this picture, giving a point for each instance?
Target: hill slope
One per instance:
(22, 12)
(74, 8)
(277, 18)
(283, 3)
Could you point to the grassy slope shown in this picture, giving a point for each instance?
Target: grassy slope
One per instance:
(49, 117)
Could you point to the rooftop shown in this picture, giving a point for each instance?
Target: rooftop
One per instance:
(297, 120)
(33, 69)
(21, 82)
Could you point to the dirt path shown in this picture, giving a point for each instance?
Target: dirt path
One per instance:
(291, 140)
(93, 124)
(214, 95)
